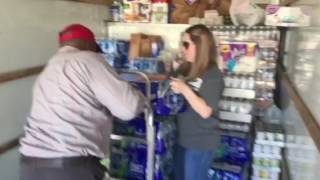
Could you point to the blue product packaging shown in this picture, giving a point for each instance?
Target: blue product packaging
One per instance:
(160, 108)
(115, 52)
(123, 128)
(139, 127)
(175, 102)
(156, 48)
(132, 161)
(169, 105)
(118, 62)
(108, 46)
(168, 102)
(158, 173)
(119, 164)
(164, 101)
(138, 161)
(142, 64)
(220, 174)
(162, 136)
(123, 50)
(237, 149)
(231, 176)
(142, 87)
(163, 167)
(148, 65)
(161, 143)
(109, 58)
(113, 60)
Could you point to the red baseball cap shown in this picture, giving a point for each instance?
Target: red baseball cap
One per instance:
(77, 31)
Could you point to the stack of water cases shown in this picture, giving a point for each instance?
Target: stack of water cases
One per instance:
(267, 156)
(115, 53)
(128, 157)
(247, 58)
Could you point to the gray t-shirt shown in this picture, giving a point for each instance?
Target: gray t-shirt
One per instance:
(194, 131)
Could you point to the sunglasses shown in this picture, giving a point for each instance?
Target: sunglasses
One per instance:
(185, 44)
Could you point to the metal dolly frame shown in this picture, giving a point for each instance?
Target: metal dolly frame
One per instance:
(150, 129)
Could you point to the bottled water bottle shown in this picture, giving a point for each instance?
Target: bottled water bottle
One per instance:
(174, 101)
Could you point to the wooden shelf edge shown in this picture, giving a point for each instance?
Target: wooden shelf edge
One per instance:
(97, 2)
(9, 145)
(308, 118)
(18, 74)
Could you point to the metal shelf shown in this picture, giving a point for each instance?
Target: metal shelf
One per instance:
(268, 156)
(235, 117)
(270, 143)
(226, 166)
(235, 130)
(239, 93)
(273, 169)
(235, 134)
(128, 138)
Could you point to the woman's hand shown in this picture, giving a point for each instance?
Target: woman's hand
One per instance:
(178, 86)
(196, 102)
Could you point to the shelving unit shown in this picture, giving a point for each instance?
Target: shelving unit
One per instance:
(173, 39)
(239, 93)
(268, 156)
(170, 33)
(235, 117)
(267, 38)
(127, 138)
(270, 143)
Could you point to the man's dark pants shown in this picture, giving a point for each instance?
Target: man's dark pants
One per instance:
(73, 168)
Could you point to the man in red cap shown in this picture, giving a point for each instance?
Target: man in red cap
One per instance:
(74, 101)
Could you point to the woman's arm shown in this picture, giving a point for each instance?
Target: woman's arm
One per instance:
(197, 103)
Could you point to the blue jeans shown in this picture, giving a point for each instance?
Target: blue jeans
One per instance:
(192, 164)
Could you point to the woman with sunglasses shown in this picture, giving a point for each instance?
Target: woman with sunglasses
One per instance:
(202, 85)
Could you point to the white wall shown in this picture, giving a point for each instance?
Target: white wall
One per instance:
(28, 28)
(28, 31)
(15, 99)
(9, 165)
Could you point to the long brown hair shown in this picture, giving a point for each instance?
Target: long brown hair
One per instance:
(206, 51)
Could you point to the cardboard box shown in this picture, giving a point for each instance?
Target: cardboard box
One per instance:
(137, 10)
(222, 6)
(141, 45)
(134, 49)
(182, 11)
